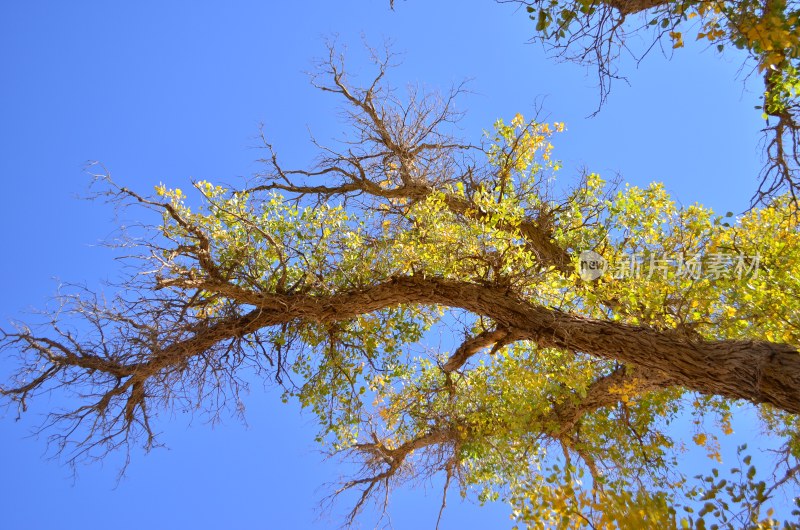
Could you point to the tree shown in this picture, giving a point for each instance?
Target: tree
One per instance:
(559, 391)
(595, 32)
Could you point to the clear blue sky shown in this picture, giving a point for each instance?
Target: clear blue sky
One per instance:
(173, 91)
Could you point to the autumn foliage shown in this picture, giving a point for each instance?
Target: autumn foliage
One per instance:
(555, 393)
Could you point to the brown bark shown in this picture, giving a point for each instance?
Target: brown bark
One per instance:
(630, 7)
(475, 344)
(757, 371)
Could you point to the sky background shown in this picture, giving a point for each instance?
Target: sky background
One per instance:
(176, 91)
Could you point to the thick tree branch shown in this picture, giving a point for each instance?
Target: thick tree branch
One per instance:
(496, 338)
(757, 371)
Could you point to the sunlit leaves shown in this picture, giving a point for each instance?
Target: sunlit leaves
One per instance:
(566, 438)
(597, 33)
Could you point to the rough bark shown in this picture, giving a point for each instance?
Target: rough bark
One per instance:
(630, 7)
(756, 371)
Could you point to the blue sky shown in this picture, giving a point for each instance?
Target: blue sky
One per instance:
(174, 91)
